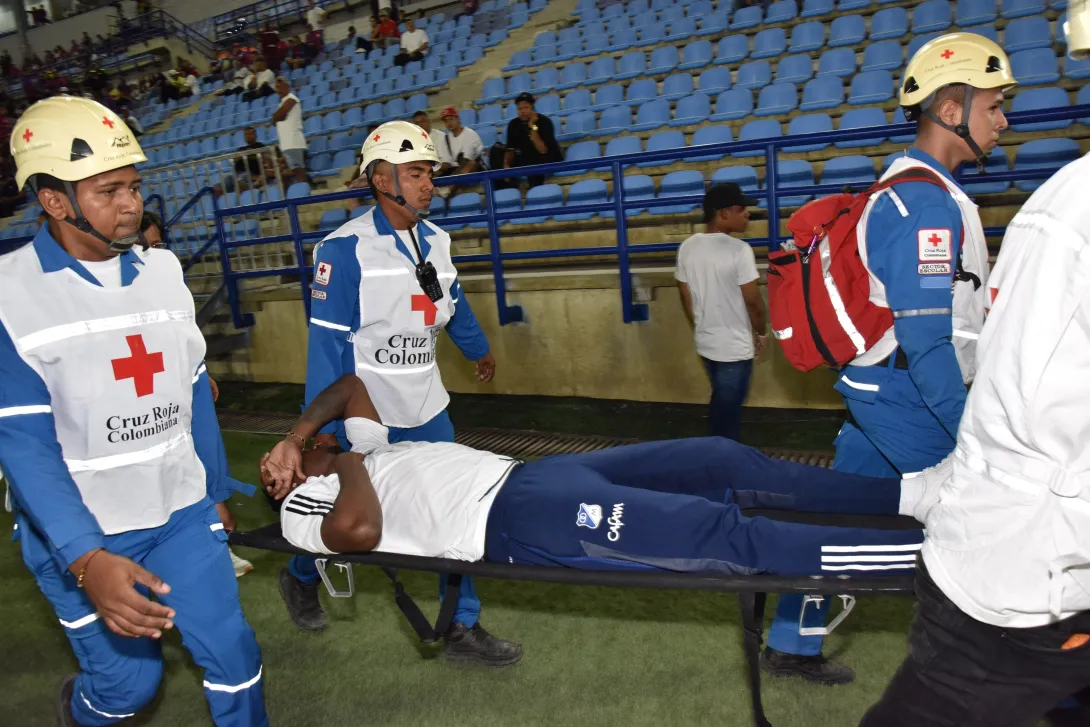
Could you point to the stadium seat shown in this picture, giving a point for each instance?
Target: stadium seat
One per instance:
(332, 219)
(543, 54)
(825, 92)
(650, 35)
(1022, 8)
(889, 23)
(759, 129)
(596, 44)
(848, 5)
(546, 37)
(809, 124)
(548, 105)
(795, 69)
(601, 70)
(491, 114)
(1078, 70)
(503, 200)
(754, 74)
(1041, 154)
(577, 100)
(580, 151)
(899, 118)
(745, 18)
(517, 84)
(699, 9)
(545, 80)
(697, 55)
(870, 88)
(839, 62)
(975, 12)
(569, 49)
(493, 89)
(792, 173)
(769, 43)
(807, 37)
(651, 115)
(1027, 33)
(847, 30)
(662, 141)
(681, 30)
(636, 187)
(859, 119)
(857, 171)
(781, 12)
(731, 49)
(931, 16)
(663, 60)
(735, 103)
(778, 98)
(1035, 67)
(642, 18)
(882, 56)
(468, 117)
(631, 65)
(467, 203)
(997, 163)
(677, 86)
(710, 135)
(573, 75)
(714, 24)
(1033, 99)
(609, 95)
(815, 8)
(621, 145)
(622, 40)
(640, 90)
(613, 120)
(678, 184)
(693, 109)
(578, 125)
(714, 81)
(542, 197)
(742, 175)
(587, 191)
(488, 135)
(1083, 99)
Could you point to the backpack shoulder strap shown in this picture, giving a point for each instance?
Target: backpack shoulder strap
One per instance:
(916, 174)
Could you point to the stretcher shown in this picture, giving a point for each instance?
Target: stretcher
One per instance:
(752, 591)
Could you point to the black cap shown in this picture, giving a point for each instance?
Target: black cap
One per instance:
(724, 195)
(525, 96)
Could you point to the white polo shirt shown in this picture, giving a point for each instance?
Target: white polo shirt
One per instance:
(714, 265)
(289, 132)
(412, 40)
(468, 142)
(316, 18)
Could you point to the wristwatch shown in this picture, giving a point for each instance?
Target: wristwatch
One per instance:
(533, 128)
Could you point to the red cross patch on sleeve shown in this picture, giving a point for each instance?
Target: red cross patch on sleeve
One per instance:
(322, 273)
(935, 245)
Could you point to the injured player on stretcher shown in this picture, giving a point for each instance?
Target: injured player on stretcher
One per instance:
(673, 505)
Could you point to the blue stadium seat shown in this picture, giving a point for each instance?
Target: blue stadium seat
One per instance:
(735, 103)
(467, 203)
(601, 70)
(332, 219)
(1033, 99)
(569, 49)
(694, 109)
(882, 56)
(622, 40)
(1042, 154)
(681, 30)
(1078, 70)
(548, 105)
(697, 55)
(918, 42)
(889, 23)
(1035, 67)
(1022, 8)
(781, 12)
(636, 187)
(543, 54)
(503, 200)
(847, 30)
(754, 74)
(671, 12)
(777, 98)
(493, 89)
(642, 18)
(678, 184)
(541, 197)
(745, 18)
(488, 136)
(807, 37)
(595, 44)
(577, 100)
(858, 119)
(795, 69)
(1027, 33)
(857, 171)
(1083, 99)
(546, 37)
(298, 189)
(699, 9)
(769, 43)
(744, 176)
(613, 120)
(931, 16)
(437, 210)
(609, 95)
(491, 114)
(846, 5)
(870, 88)
(975, 12)
(815, 8)
(578, 125)
(663, 60)
(899, 118)
(580, 151)
(809, 124)
(650, 35)
(759, 129)
(652, 115)
(839, 62)
(677, 86)
(517, 84)
(640, 90)
(353, 117)
(662, 141)
(574, 74)
(714, 24)
(621, 145)
(631, 65)
(793, 173)
(714, 81)
(710, 135)
(545, 80)
(996, 163)
(468, 117)
(731, 49)
(824, 92)
(587, 191)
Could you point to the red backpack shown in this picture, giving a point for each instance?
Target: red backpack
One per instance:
(819, 290)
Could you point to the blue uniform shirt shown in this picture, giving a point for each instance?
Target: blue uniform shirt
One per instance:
(920, 298)
(42, 487)
(336, 316)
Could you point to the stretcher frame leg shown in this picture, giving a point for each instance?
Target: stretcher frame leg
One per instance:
(752, 606)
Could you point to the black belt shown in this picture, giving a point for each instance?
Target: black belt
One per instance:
(900, 360)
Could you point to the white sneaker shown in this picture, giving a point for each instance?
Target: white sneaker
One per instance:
(241, 565)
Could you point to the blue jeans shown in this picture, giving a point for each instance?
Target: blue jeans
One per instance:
(437, 429)
(730, 383)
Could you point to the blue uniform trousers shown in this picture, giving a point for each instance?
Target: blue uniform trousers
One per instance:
(119, 675)
(677, 505)
(437, 429)
(893, 433)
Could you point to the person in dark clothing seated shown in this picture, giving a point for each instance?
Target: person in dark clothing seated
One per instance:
(531, 139)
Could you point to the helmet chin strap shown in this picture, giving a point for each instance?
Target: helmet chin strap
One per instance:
(120, 245)
(962, 129)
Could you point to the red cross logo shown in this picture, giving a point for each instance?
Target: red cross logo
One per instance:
(934, 240)
(27, 135)
(423, 304)
(377, 137)
(947, 54)
(106, 121)
(141, 366)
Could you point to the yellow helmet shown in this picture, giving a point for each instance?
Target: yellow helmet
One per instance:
(965, 58)
(71, 138)
(1077, 29)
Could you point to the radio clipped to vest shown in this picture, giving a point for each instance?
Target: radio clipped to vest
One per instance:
(426, 275)
(818, 287)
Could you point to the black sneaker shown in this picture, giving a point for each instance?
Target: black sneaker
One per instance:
(302, 599)
(816, 669)
(64, 702)
(478, 645)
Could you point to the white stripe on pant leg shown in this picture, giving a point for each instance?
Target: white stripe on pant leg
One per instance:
(99, 711)
(860, 566)
(232, 689)
(869, 548)
(216, 526)
(909, 558)
(14, 411)
(79, 622)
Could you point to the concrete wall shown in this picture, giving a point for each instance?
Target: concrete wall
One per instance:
(63, 32)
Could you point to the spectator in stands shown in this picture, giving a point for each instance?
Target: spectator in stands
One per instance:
(289, 130)
(386, 32)
(530, 139)
(414, 44)
(151, 226)
(262, 83)
(460, 150)
(316, 18)
(250, 170)
(717, 278)
(240, 81)
(269, 42)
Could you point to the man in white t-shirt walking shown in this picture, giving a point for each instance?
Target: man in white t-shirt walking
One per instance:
(414, 44)
(315, 17)
(717, 278)
(289, 130)
(460, 149)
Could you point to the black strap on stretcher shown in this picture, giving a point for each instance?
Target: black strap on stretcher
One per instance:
(751, 590)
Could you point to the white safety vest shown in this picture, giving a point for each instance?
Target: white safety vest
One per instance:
(1009, 541)
(119, 364)
(969, 301)
(395, 343)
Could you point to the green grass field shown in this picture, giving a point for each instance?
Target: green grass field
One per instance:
(593, 656)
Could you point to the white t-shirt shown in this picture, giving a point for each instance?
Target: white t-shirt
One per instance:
(714, 265)
(106, 272)
(411, 40)
(316, 18)
(435, 498)
(194, 84)
(241, 78)
(289, 132)
(468, 142)
(264, 78)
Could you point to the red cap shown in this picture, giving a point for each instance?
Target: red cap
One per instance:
(448, 111)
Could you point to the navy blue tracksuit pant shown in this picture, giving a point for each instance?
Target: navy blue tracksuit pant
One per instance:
(677, 505)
